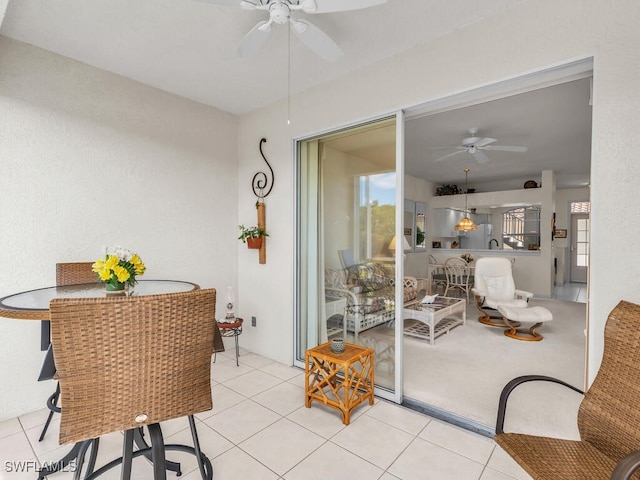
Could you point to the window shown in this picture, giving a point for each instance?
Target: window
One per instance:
(376, 214)
(521, 229)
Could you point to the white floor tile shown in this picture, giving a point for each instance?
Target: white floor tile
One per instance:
(502, 462)
(399, 417)
(283, 398)
(491, 474)
(242, 420)
(269, 445)
(373, 440)
(252, 383)
(465, 443)
(9, 427)
(320, 419)
(423, 459)
(332, 461)
(237, 465)
(282, 371)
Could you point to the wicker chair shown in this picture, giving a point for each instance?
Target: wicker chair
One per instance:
(66, 274)
(607, 419)
(128, 362)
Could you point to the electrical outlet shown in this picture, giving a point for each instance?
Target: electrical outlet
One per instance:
(253, 321)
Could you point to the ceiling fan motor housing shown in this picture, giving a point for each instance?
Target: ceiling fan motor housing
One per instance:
(280, 12)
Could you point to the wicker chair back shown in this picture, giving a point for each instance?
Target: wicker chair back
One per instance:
(127, 362)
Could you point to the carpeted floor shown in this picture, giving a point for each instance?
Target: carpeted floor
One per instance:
(464, 372)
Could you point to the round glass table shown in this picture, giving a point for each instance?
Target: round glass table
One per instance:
(34, 304)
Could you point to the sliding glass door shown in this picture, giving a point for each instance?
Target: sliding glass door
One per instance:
(348, 219)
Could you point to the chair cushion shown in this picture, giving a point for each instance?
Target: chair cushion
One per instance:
(499, 287)
(547, 458)
(531, 314)
(515, 303)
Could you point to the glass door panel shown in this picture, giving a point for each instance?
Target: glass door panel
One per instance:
(347, 224)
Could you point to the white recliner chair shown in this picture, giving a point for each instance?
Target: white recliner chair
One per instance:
(493, 286)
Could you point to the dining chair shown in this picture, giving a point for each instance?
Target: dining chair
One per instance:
(71, 273)
(129, 362)
(608, 417)
(438, 277)
(458, 275)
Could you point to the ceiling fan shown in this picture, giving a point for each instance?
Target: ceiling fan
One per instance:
(475, 146)
(280, 13)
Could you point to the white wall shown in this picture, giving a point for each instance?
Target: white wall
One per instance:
(530, 37)
(90, 159)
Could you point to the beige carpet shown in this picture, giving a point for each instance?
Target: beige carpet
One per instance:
(464, 372)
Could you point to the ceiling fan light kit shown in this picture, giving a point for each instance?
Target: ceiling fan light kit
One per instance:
(280, 13)
(466, 224)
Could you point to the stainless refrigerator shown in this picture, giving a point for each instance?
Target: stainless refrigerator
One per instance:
(477, 239)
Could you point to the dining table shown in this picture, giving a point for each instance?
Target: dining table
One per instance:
(34, 305)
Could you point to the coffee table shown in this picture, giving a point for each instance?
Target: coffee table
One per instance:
(435, 319)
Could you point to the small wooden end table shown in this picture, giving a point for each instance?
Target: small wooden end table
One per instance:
(339, 380)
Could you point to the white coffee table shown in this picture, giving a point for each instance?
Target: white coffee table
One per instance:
(435, 319)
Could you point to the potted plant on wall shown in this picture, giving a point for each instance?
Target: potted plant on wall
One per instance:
(252, 236)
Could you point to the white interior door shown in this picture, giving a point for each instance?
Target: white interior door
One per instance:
(580, 224)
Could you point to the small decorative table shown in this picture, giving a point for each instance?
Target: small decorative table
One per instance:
(436, 318)
(233, 329)
(339, 380)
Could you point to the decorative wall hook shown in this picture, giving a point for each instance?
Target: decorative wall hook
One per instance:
(259, 183)
(260, 180)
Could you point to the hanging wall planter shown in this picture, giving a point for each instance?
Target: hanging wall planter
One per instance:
(254, 242)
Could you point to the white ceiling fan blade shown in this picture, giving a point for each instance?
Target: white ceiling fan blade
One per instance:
(317, 40)
(460, 150)
(244, 4)
(327, 6)
(253, 40)
(230, 3)
(505, 148)
(485, 141)
(480, 157)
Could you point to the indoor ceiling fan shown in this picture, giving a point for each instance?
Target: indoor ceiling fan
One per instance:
(280, 13)
(475, 146)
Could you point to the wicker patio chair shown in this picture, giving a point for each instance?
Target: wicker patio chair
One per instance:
(66, 274)
(608, 418)
(128, 362)
(74, 273)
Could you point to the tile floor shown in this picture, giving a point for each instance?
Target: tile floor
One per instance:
(573, 292)
(260, 429)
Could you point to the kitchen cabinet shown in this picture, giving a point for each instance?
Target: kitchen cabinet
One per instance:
(446, 219)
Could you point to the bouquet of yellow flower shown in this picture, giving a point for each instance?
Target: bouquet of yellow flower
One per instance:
(119, 267)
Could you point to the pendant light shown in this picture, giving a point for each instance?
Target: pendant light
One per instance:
(466, 224)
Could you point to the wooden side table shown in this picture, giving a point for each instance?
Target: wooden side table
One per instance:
(339, 380)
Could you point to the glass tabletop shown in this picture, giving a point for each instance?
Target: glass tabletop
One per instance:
(38, 300)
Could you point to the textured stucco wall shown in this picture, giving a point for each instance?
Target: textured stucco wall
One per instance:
(536, 35)
(90, 159)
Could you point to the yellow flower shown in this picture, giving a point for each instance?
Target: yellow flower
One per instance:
(112, 261)
(122, 273)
